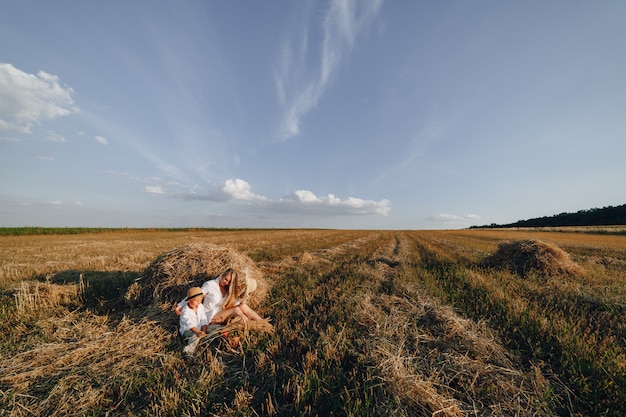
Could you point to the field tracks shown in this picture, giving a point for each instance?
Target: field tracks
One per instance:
(394, 345)
(367, 323)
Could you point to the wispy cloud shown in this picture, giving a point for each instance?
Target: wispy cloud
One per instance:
(54, 137)
(29, 99)
(101, 140)
(131, 177)
(62, 203)
(164, 166)
(153, 189)
(45, 158)
(453, 218)
(417, 149)
(298, 90)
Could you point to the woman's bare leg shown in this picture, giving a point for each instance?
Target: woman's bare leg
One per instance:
(224, 315)
(248, 312)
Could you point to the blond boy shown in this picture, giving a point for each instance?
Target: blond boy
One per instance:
(193, 320)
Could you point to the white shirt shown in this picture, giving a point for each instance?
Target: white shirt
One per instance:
(190, 318)
(213, 299)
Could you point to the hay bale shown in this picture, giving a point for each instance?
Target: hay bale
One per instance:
(528, 256)
(168, 277)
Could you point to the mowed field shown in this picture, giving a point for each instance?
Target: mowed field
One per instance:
(366, 323)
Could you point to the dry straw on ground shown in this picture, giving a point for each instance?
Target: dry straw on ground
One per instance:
(445, 365)
(532, 256)
(168, 277)
(90, 362)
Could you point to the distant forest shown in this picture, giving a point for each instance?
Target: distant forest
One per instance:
(606, 216)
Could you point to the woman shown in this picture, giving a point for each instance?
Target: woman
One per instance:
(224, 298)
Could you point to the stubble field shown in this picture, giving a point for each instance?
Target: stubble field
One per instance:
(367, 323)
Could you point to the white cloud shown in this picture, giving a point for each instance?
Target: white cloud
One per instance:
(102, 140)
(6, 139)
(61, 203)
(46, 158)
(53, 137)
(29, 99)
(229, 190)
(305, 196)
(240, 190)
(453, 218)
(153, 189)
(298, 91)
(298, 202)
(304, 200)
(442, 217)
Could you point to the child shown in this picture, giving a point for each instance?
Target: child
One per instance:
(193, 320)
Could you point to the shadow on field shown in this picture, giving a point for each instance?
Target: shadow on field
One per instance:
(101, 293)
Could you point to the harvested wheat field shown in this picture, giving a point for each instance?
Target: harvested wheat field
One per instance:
(365, 323)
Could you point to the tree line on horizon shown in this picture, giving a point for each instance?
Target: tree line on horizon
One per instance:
(605, 216)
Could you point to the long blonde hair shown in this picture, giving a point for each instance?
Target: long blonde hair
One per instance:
(236, 289)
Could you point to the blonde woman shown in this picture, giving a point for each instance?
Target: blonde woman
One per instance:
(224, 298)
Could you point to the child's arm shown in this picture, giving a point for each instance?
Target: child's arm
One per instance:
(179, 307)
(199, 332)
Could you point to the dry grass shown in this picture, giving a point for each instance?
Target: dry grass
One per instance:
(436, 361)
(365, 323)
(571, 325)
(44, 256)
(532, 256)
(169, 276)
(87, 363)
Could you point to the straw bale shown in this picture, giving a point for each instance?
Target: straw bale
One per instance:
(532, 256)
(168, 277)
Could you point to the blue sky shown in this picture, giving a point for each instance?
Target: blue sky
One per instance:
(339, 114)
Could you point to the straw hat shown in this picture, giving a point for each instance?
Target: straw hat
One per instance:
(193, 292)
